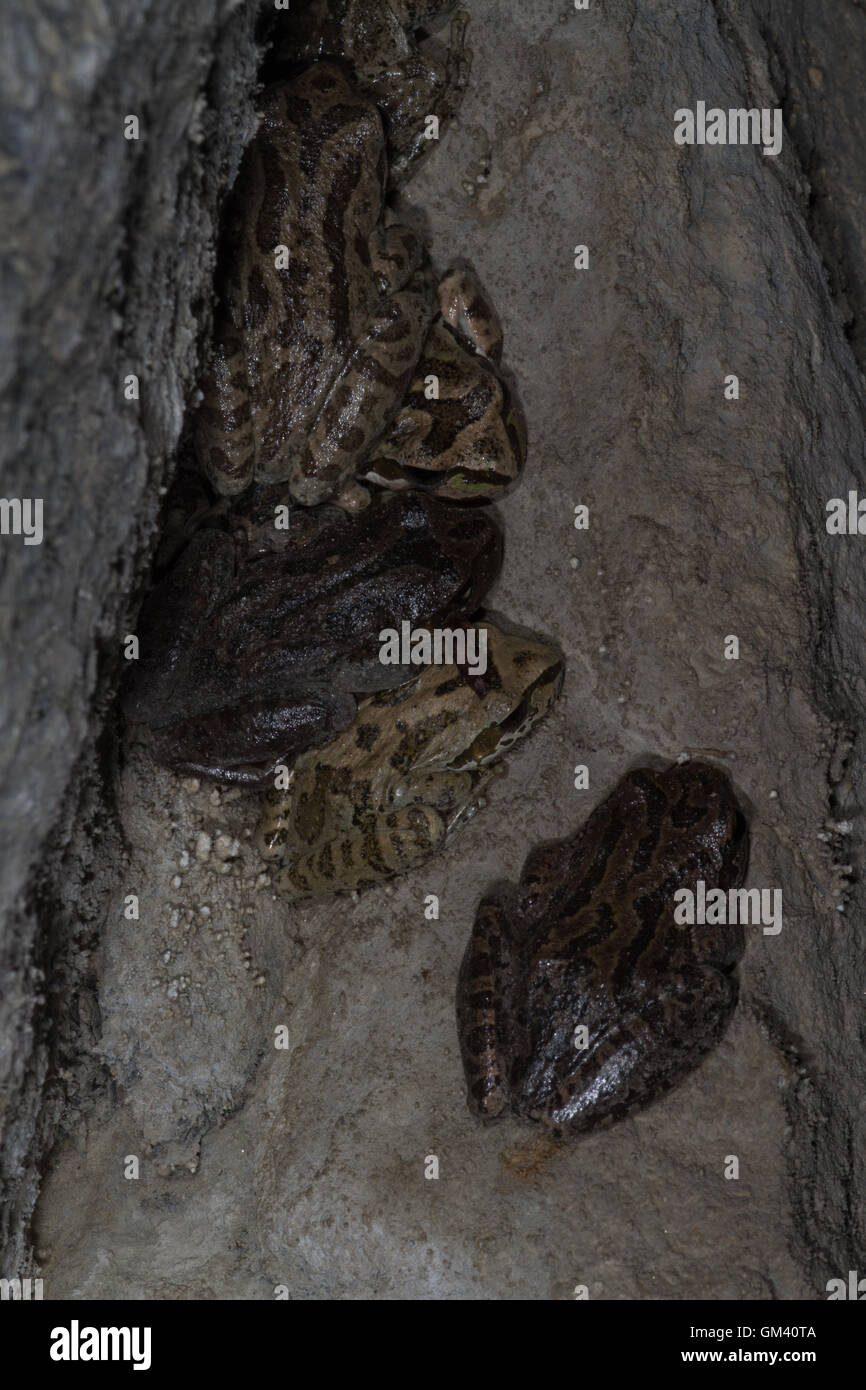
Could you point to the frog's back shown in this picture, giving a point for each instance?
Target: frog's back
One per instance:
(604, 900)
(311, 182)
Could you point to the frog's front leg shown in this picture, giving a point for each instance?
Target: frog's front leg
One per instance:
(482, 1019)
(655, 1043)
(389, 843)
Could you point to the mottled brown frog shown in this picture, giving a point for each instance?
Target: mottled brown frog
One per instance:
(588, 938)
(327, 361)
(467, 441)
(323, 310)
(377, 39)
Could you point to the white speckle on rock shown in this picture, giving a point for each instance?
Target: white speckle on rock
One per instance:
(203, 845)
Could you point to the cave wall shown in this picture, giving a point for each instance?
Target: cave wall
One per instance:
(110, 247)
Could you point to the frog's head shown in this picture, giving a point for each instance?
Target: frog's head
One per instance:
(522, 680)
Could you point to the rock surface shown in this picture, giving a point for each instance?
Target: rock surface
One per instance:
(110, 247)
(305, 1167)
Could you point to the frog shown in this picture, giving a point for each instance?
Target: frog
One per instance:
(393, 789)
(587, 940)
(466, 443)
(323, 308)
(256, 640)
(378, 42)
(320, 368)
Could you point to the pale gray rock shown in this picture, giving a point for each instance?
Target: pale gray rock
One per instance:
(108, 260)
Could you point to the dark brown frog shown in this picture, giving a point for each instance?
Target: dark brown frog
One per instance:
(588, 940)
(255, 642)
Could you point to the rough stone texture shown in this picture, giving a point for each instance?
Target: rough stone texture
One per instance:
(109, 262)
(816, 55)
(306, 1167)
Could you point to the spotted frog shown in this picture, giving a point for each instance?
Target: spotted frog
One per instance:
(392, 789)
(328, 332)
(587, 939)
(466, 442)
(378, 40)
(256, 641)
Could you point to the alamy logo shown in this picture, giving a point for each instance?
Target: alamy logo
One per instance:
(22, 516)
(20, 1290)
(855, 1288)
(76, 1343)
(750, 906)
(443, 646)
(737, 126)
(846, 517)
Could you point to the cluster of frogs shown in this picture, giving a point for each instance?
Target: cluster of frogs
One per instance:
(331, 500)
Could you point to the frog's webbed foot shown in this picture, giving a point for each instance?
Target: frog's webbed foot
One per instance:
(470, 312)
(652, 1047)
(481, 1017)
(392, 843)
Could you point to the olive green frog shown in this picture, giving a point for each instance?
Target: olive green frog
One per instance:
(393, 788)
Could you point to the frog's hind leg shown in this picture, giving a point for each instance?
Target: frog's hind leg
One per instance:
(393, 843)
(481, 1010)
(273, 827)
(655, 1043)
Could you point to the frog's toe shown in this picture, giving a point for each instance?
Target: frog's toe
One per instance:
(353, 497)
